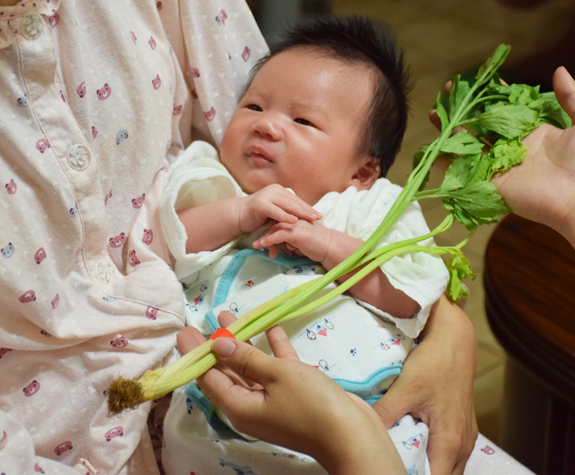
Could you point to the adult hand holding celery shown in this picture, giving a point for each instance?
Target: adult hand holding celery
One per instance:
(496, 117)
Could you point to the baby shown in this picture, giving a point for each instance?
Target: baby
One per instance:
(300, 171)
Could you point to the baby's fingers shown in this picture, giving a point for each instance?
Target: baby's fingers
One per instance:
(295, 206)
(276, 235)
(273, 251)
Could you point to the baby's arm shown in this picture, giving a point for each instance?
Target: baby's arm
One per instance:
(212, 225)
(330, 247)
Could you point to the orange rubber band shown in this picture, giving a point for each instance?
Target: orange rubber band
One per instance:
(222, 332)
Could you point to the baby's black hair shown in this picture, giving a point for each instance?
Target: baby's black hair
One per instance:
(354, 40)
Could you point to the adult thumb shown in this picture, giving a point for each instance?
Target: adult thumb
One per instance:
(247, 361)
(564, 87)
(392, 406)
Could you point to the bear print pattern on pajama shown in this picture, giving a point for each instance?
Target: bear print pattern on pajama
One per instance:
(8, 251)
(42, 145)
(40, 255)
(120, 342)
(104, 92)
(11, 187)
(118, 241)
(81, 90)
(23, 101)
(32, 388)
(148, 237)
(54, 20)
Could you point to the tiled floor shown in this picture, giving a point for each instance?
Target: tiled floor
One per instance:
(441, 38)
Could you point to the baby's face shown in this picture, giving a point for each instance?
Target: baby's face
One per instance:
(298, 125)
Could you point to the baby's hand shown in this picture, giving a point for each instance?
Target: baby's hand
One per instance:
(302, 238)
(272, 202)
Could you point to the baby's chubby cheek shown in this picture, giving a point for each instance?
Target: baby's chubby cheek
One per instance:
(226, 148)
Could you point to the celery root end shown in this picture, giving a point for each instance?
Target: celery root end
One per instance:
(124, 394)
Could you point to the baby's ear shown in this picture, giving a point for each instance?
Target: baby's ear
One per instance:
(366, 174)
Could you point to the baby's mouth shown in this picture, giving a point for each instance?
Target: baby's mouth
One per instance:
(258, 153)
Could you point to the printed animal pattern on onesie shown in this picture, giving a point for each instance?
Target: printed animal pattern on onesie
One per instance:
(199, 300)
(343, 339)
(88, 271)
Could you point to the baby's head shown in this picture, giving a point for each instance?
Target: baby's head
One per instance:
(324, 110)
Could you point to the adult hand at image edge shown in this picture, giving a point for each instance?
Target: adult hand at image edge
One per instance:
(436, 386)
(542, 188)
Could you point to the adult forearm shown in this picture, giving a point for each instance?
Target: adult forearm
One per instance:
(448, 319)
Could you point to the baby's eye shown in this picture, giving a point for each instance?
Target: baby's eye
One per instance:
(254, 107)
(304, 122)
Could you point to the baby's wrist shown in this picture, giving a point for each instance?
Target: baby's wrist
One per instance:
(327, 252)
(234, 215)
(239, 213)
(338, 248)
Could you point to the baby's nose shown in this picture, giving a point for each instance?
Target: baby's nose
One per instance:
(268, 126)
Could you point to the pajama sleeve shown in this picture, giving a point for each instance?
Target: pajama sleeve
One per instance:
(223, 43)
(419, 275)
(197, 177)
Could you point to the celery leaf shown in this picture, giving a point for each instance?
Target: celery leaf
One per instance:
(459, 173)
(506, 154)
(459, 268)
(474, 204)
(462, 143)
(495, 61)
(441, 112)
(552, 112)
(507, 120)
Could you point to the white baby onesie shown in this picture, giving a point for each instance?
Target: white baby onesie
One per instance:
(360, 347)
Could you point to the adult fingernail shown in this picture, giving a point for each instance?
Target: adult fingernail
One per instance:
(224, 347)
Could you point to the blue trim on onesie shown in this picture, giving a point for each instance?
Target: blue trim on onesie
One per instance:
(371, 381)
(205, 405)
(227, 279)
